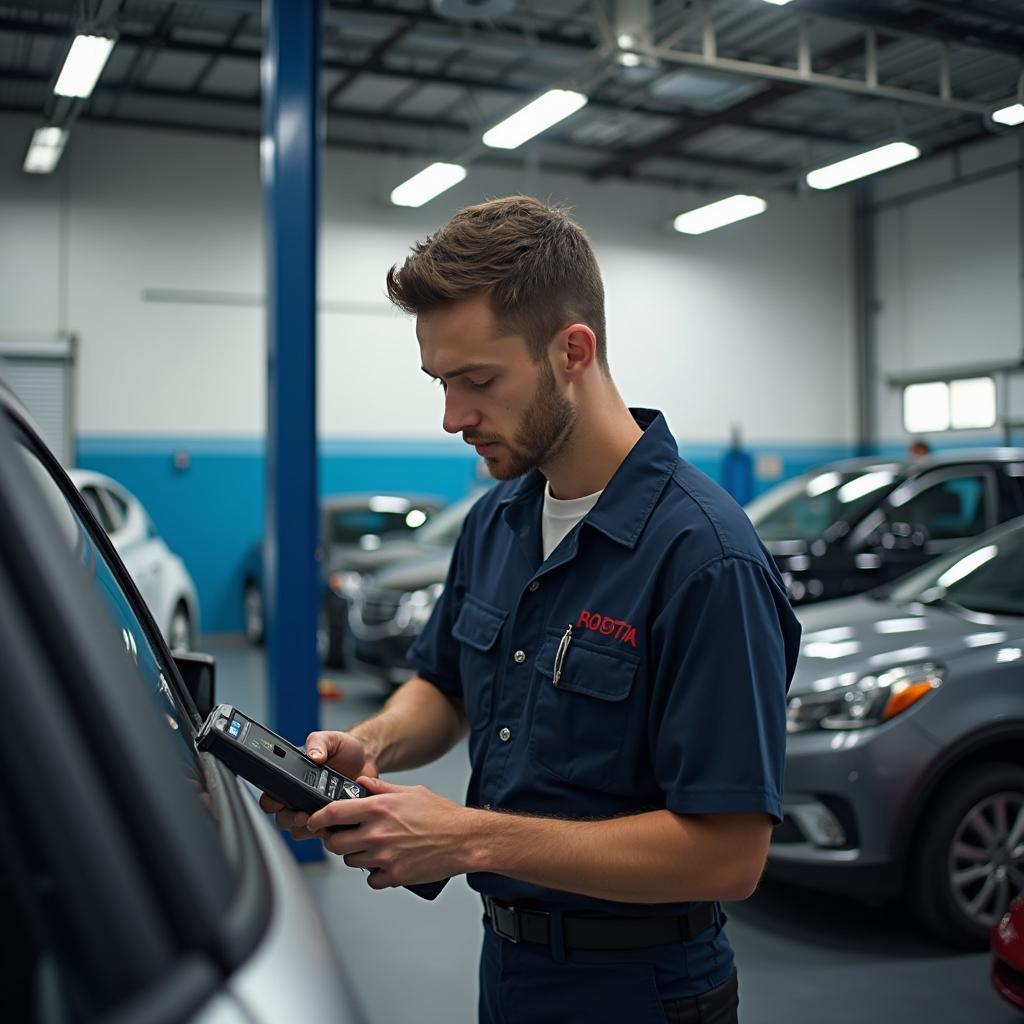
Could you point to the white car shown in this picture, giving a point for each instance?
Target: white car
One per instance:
(160, 575)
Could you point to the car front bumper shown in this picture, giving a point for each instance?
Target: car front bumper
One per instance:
(847, 800)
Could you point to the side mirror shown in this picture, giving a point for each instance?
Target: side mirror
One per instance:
(198, 672)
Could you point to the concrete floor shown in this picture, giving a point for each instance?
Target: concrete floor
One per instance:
(803, 958)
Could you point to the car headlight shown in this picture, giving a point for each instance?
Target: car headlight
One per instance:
(345, 584)
(414, 608)
(870, 700)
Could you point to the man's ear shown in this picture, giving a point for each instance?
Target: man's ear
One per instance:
(577, 349)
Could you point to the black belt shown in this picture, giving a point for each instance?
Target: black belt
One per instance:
(520, 925)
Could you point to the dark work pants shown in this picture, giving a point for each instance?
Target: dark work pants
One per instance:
(523, 984)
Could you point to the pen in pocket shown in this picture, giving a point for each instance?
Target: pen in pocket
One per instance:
(563, 650)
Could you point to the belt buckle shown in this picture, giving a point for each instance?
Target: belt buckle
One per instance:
(495, 909)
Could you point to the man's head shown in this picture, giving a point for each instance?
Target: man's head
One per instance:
(510, 315)
(534, 264)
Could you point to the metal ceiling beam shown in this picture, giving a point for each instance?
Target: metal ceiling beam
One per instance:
(803, 77)
(404, 121)
(374, 61)
(211, 63)
(415, 76)
(789, 82)
(968, 8)
(427, 17)
(509, 161)
(872, 15)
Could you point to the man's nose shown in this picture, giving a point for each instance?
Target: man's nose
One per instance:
(458, 415)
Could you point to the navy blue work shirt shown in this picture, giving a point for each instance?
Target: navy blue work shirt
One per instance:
(672, 691)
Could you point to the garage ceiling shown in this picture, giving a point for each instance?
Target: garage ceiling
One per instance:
(721, 94)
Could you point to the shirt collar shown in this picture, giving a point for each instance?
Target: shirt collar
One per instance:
(626, 504)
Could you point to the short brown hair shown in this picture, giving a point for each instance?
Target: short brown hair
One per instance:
(531, 259)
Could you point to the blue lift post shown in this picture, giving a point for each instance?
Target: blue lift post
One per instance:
(290, 167)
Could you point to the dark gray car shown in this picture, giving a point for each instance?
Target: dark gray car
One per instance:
(853, 525)
(905, 760)
(388, 609)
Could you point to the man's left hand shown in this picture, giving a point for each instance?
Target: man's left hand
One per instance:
(405, 835)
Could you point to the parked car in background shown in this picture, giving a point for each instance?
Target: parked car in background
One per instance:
(905, 755)
(388, 608)
(142, 880)
(1008, 956)
(160, 575)
(849, 526)
(353, 530)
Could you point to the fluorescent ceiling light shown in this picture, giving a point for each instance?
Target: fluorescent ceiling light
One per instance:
(44, 150)
(430, 182)
(1011, 115)
(778, 3)
(554, 106)
(717, 215)
(83, 66)
(863, 164)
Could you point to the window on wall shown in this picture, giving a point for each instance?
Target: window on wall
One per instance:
(968, 404)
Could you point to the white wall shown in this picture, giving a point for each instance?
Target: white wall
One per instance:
(751, 324)
(948, 271)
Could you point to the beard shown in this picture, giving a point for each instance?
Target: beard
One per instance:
(544, 431)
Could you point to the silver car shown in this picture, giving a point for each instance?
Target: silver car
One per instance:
(143, 882)
(161, 576)
(905, 759)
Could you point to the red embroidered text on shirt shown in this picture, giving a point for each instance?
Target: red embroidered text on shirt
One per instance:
(606, 626)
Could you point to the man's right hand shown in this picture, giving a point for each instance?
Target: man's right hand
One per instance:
(338, 750)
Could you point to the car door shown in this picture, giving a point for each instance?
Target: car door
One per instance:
(138, 884)
(926, 516)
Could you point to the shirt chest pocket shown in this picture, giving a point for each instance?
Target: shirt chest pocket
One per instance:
(477, 629)
(585, 726)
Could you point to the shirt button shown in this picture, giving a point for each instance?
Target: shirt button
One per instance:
(533, 586)
(505, 735)
(519, 657)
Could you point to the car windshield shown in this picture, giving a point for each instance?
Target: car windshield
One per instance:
(444, 528)
(803, 509)
(986, 576)
(350, 525)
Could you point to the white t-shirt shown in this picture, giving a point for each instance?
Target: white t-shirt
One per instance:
(559, 517)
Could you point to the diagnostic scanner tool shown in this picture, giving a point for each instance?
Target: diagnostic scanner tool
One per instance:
(280, 769)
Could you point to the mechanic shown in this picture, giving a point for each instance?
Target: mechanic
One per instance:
(613, 638)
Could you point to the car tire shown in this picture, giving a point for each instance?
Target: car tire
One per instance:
(252, 613)
(965, 872)
(180, 636)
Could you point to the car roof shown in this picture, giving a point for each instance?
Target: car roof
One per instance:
(346, 501)
(957, 455)
(948, 457)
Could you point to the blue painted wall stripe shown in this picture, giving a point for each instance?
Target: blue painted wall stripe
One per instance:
(210, 509)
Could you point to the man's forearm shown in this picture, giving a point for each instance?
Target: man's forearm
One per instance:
(656, 857)
(416, 726)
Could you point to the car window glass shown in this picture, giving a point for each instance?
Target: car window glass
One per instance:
(117, 506)
(987, 576)
(97, 508)
(444, 527)
(1014, 481)
(804, 509)
(351, 525)
(947, 510)
(151, 669)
